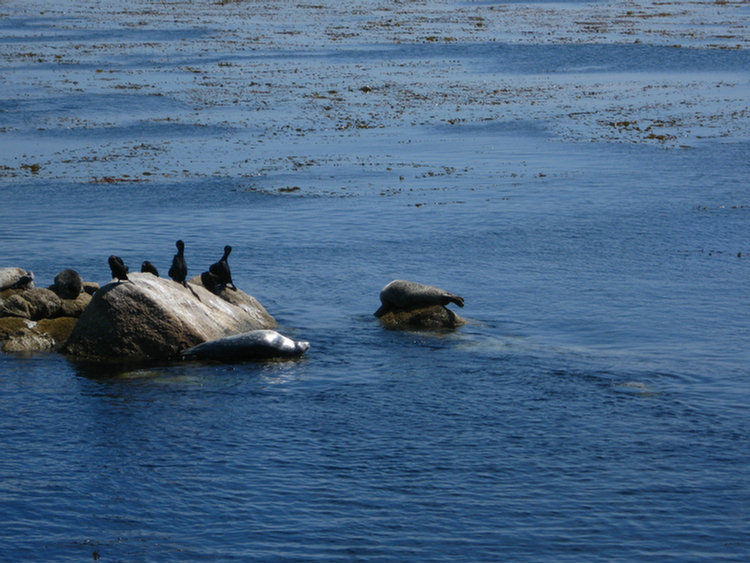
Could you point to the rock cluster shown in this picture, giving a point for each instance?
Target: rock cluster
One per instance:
(151, 318)
(146, 317)
(36, 318)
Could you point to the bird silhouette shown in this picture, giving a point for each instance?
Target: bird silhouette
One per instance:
(118, 267)
(178, 270)
(221, 269)
(148, 267)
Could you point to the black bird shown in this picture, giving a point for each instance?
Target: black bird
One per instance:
(118, 267)
(221, 269)
(148, 267)
(178, 271)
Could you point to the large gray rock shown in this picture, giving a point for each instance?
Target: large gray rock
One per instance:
(15, 277)
(155, 318)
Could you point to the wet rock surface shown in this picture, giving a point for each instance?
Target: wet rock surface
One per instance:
(435, 317)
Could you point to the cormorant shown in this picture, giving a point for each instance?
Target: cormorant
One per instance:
(210, 281)
(148, 267)
(221, 269)
(118, 267)
(178, 271)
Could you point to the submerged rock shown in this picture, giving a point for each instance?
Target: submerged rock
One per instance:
(156, 318)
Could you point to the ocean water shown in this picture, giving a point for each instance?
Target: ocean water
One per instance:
(589, 201)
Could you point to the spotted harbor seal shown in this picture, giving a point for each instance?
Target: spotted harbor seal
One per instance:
(254, 345)
(402, 295)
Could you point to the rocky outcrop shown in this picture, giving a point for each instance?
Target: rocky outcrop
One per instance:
(155, 318)
(35, 319)
(435, 317)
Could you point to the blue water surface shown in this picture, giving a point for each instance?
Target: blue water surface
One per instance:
(594, 408)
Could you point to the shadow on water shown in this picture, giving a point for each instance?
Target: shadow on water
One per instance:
(106, 370)
(186, 371)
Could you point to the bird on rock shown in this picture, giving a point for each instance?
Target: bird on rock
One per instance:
(221, 270)
(178, 270)
(210, 281)
(118, 267)
(148, 267)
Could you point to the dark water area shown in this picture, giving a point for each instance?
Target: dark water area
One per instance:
(594, 408)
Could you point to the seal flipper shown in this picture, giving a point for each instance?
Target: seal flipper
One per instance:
(457, 299)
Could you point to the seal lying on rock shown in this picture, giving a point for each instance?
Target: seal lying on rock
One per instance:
(253, 345)
(402, 295)
(16, 278)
